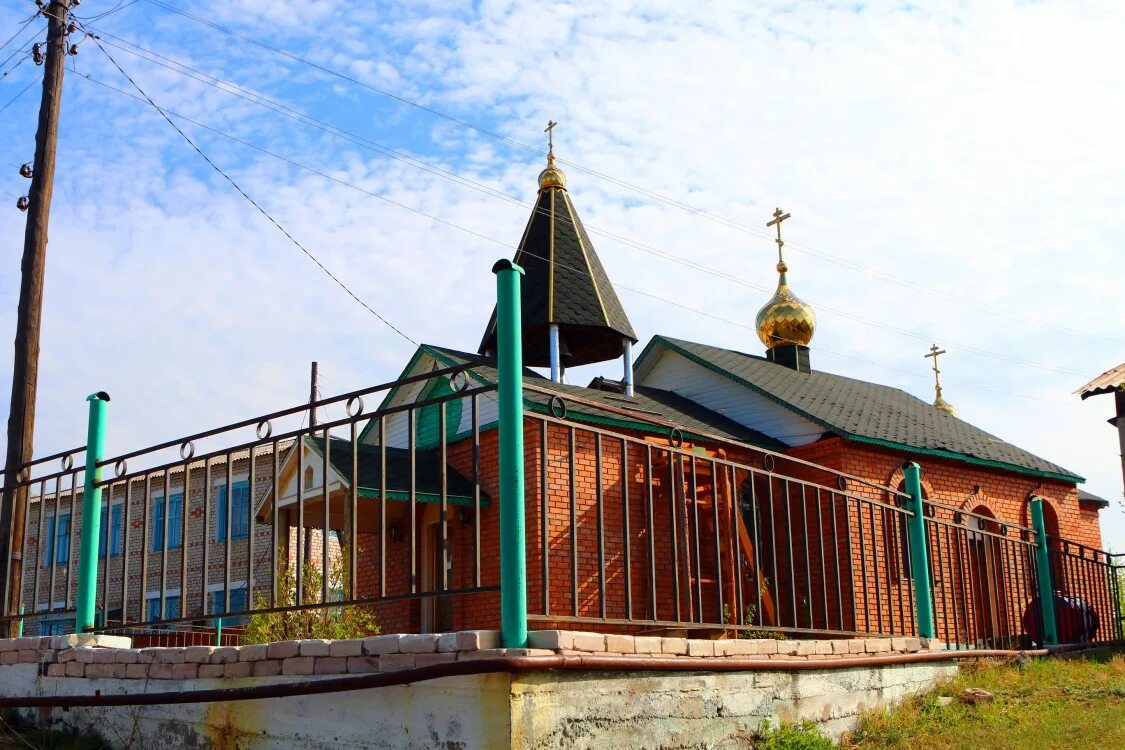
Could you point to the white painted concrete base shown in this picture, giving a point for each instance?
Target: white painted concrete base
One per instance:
(544, 710)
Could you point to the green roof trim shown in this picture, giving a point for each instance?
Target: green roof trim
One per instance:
(422, 497)
(939, 453)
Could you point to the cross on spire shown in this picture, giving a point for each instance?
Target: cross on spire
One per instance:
(778, 217)
(935, 352)
(550, 131)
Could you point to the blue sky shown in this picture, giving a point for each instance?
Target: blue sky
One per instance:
(952, 172)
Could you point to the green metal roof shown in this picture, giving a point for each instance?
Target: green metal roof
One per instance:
(865, 412)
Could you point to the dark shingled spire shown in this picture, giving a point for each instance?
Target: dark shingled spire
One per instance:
(564, 284)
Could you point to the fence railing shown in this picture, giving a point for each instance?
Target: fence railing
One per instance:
(269, 515)
(1089, 592)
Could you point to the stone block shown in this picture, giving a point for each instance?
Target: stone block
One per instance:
(146, 655)
(363, 664)
(804, 648)
(56, 670)
(238, 669)
(898, 645)
(185, 671)
(266, 668)
(344, 649)
(136, 671)
(447, 642)
(23, 644)
(857, 646)
(878, 645)
(591, 642)
(620, 644)
(474, 640)
(429, 660)
(298, 665)
(396, 662)
(207, 671)
(283, 649)
(105, 655)
(673, 646)
(97, 671)
(82, 654)
(786, 648)
(225, 655)
(160, 671)
(424, 643)
(330, 665)
(125, 656)
(556, 639)
(840, 647)
(198, 654)
(913, 645)
(377, 645)
(254, 652)
(7, 644)
(696, 647)
(647, 644)
(170, 656)
(11, 657)
(66, 655)
(75, 669)
(734, 647)
(99, 640)
(766, 646)
(314, 647)
(822, 647)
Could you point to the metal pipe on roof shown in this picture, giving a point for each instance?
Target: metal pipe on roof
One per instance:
(628, 368)
(556, 366)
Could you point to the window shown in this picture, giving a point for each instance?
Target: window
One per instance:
(171, 606)
(175, 521)
(237, 604)
(113, 530)
(57, 540)
(896, 531)
(57, 625)
(239, 512)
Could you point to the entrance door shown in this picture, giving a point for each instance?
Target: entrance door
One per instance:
(987, 569)
(437, 611)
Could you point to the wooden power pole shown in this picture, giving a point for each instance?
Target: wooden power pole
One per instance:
(25, 371)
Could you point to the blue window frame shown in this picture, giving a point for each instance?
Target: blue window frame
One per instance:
(237, 604)
(57, 540)
(57, 625)
(171, 607)
(175, 520)
(239, 512)
(112, 530)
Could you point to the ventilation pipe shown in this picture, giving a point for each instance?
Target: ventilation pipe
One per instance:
(628, 368)
(556, 369)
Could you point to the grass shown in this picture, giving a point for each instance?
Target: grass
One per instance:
(1068, 704)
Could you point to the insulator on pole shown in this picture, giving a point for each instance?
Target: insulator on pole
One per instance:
(23, 203)
(37, 53)
(73, 50)
(71, 27)
(26, 171)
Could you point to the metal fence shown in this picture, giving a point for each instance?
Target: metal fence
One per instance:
(1089, 592)
(270, 515)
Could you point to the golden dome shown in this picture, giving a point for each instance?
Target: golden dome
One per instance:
(942, 405)
(552, 176)
(785, 319)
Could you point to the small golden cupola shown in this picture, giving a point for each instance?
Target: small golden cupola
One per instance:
(939, 402)
(786, 324)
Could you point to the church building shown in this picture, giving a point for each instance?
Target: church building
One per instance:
(706, 488)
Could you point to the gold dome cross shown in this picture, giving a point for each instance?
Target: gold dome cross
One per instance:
(779, 217)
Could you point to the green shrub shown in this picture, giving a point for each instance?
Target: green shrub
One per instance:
(802, 736)
(332, 622)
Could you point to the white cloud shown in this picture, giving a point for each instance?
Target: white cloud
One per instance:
(967, 146)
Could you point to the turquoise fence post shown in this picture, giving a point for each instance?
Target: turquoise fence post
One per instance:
(513, 555)
(19, 624)
(919, 552)
(91, 515)
(1043, 569)
(218, 631)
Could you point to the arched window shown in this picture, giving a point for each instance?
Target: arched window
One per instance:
(896, 533)
(427, 431)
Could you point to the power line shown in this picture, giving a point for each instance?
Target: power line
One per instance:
(291, 113)
(23, 91)
(252, 202)
(509, 246)
(730, 223)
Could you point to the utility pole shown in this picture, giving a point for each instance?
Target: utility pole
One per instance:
(25, 371)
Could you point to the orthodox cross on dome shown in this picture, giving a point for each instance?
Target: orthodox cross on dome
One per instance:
(779, 217)
(550, 131)
(939, 402)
